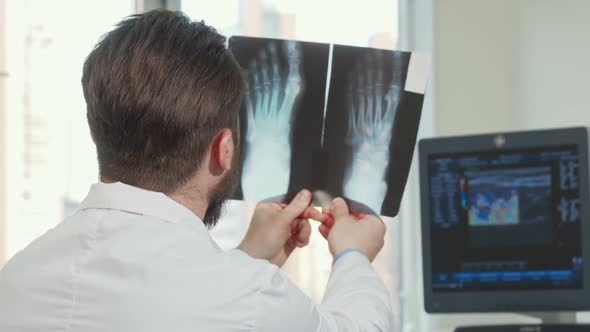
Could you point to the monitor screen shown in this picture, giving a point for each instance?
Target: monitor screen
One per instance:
(505, 220)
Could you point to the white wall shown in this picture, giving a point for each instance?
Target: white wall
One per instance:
(553, 64)
(553, 67)
(474, 65)
(509, 65)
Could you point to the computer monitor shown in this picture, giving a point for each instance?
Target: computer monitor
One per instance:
(505, 222)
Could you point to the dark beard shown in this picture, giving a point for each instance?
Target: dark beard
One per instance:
(214, 212)
(224, 190)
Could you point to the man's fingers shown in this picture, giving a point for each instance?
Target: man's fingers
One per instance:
(313, 213)
(297, 206)
(339, 208)
(303, 233)
(328, 218)
(324, 230)
(310, 213)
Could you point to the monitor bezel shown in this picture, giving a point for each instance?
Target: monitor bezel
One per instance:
(505, 301)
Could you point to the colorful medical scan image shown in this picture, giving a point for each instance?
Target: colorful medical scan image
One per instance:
(329, 118)
(494, 208)
(495, 196)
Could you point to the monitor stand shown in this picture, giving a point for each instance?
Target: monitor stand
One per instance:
(550, 322)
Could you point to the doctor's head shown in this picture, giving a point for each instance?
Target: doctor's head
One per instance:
(163, 96)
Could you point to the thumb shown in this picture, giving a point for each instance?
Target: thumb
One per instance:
(339, 208)
(297, 206)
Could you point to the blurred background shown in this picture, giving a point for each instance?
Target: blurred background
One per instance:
(497, 65)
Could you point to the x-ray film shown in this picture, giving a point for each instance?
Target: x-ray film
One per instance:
(282, 114)
(329, 118)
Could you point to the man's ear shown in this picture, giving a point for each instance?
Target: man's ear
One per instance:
(222, 150)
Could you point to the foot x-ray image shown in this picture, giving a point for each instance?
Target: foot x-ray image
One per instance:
(333, 119)
(282, 114)
(371, 126)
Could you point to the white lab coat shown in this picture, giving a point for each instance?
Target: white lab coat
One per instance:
(135, 260)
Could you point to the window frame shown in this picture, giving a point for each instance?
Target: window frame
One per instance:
(3, 85)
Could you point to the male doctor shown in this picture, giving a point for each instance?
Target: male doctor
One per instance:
(163, 95)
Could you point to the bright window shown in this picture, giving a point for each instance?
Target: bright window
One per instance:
(360, 23)
(51, 161)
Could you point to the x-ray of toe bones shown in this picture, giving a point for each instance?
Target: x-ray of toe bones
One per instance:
(372, 106)
(270, 99)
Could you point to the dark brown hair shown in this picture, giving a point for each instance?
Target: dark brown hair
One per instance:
(159, 88)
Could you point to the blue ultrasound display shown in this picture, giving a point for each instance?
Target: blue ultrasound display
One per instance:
(505, 220)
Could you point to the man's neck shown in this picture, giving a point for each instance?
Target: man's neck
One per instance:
(193, 198)
(190, 196)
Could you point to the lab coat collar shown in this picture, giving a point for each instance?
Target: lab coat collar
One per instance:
(123, 197)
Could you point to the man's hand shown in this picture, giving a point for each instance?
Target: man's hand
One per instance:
(276, 229)
(365, 232)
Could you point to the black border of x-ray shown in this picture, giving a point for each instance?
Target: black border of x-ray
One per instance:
(405, 125)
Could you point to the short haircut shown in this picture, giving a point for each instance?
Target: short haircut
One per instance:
(158, 89)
